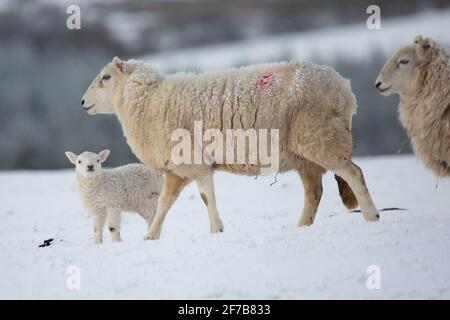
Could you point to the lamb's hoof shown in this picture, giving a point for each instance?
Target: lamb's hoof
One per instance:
(98, 241)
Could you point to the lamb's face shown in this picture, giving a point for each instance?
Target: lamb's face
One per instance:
(106, 89)
(402, 68)
(88, 164)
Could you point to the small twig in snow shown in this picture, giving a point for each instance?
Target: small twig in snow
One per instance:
(275, 179)
(384, 209)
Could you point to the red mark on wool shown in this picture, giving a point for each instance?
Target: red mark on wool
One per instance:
(265, 80)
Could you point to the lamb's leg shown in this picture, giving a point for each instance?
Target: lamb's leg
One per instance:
(99, 222)
(312, 183)
(113, 220)
(172, 187)
(205, 185)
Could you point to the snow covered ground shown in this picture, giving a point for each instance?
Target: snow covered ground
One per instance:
(261, 254)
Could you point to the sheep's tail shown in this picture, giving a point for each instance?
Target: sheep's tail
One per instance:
(347, 195)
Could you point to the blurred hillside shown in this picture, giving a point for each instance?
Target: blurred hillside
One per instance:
(45, 68)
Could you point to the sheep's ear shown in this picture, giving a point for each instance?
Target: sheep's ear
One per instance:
(119, 64)
(426, 44)
(418, 39)
(103, 155)
(72, 157)
(423, 46)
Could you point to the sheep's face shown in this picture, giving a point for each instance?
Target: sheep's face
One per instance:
(401, 70)
(106, 90)
(88, 164)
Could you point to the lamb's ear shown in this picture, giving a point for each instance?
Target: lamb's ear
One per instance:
(103, 155)
(119, 64)
(72, 157)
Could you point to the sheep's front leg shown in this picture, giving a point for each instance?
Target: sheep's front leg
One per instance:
(312, 183)
(99, 222)
(113, 220)
(172, 187)
(205, 185)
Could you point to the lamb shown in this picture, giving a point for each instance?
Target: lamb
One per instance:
(420, 74)
(106, 193)
(310, 105)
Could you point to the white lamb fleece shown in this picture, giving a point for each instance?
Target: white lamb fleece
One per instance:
(106, 193)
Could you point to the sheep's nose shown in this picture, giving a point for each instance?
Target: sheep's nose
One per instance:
(90, 167)
(82, 102)
(378, 84)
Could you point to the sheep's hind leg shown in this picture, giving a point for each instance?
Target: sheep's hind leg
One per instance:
(331, 147)
(205, 185)
(311, 177)
(99, 222)
(172, 187)
(354, 177)
(113, 220)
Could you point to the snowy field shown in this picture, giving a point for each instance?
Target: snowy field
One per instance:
(262, 253)
(354, 43)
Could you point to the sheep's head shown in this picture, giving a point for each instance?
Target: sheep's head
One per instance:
(106, 90)
(402, 70)
(88, 164)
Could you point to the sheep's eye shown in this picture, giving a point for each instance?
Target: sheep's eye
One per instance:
(405, 61)
(106, 77)
(79, 161)
(98, 161)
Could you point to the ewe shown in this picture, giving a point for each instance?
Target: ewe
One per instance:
(106, 193)
(420, 74)
(310, 105)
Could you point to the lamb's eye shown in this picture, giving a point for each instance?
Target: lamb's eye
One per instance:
(106, 77)
(98, 161)
(79, 161)
(404, 61)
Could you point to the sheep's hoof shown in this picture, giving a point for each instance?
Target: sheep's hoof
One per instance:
(98, 241)
(305, 222)
(152, 236)
(217, 228)
(372, 217)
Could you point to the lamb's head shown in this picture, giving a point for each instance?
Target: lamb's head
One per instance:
(88, 164)
(403, 70)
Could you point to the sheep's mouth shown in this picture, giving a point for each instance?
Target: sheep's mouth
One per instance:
(88, 108)
(90, 170)
(383, 90)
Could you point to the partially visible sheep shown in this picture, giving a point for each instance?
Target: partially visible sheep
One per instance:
(310, 105)
(420, 74)
(106, 193)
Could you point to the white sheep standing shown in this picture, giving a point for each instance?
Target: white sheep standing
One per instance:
(420, 74)
(310, 105)
(106, 193)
